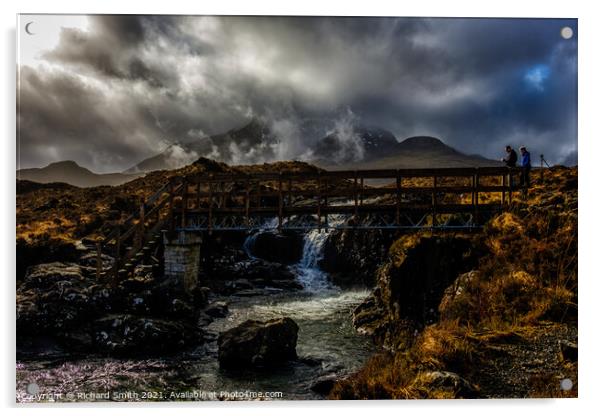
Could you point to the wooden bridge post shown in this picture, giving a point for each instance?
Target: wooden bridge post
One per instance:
(503, 190)
(198, 195)
(398, 197)
(258, 205)
(247, 191)
(184, 203)
(434, 202)
(361, 191)
(280, 201)
(510, 185)
(171, 206)
(476, 195)
(355, 197)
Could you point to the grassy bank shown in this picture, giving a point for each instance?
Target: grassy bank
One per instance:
(501, 327)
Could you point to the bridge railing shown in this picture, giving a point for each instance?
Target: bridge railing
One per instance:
(236, 201)
(129, 236)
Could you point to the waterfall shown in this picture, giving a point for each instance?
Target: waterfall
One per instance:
(308, 271)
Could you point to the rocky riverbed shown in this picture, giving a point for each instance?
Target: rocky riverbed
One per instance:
(78, 335)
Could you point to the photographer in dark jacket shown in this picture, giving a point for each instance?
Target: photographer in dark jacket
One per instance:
(511, 158)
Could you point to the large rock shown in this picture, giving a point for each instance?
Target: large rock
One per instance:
(65, 303)
(568, 351)
(451, 382)
(217, 309)
(285, 247)
(324, 385)
(133, 335)
(410, 286)
(56, 297)
(258, 344)
(252, 275)
(353, 256)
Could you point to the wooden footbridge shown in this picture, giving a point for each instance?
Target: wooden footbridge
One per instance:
(366, 199)
(442, 199)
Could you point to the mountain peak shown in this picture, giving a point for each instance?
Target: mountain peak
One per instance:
(426, 141)
(64, 164)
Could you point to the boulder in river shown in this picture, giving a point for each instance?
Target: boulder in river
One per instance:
(324, 384)
(258, 344)
(123, 334)
(285, 247)
(217, 309)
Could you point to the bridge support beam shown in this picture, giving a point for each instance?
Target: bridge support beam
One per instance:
(182, 258)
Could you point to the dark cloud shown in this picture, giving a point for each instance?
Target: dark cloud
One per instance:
(118, 92)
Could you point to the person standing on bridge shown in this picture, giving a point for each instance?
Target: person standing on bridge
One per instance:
(511, 157)
(526, 165)
(510, 161)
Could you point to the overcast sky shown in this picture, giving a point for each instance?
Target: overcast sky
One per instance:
(109, 91)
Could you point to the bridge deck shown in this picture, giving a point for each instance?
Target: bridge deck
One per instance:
(387, 198)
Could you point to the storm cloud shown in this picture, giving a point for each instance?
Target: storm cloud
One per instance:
(127, 86)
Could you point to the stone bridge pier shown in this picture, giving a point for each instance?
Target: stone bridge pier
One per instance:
(182, 258)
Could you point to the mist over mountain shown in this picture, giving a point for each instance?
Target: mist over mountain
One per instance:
(346, 144)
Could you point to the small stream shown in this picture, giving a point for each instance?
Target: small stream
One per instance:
(327, 344)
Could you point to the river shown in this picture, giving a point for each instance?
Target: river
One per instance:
(327, 344)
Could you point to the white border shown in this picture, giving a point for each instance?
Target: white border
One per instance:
(590, 94)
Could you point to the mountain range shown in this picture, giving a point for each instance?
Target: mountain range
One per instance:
(351, 147)
(355, 147)
(70, 172)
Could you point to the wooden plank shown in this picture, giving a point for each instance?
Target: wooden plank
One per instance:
(350, 209)
(350, 192)
(366, 173)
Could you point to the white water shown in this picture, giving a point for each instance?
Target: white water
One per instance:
(309, 274)
(308, 271)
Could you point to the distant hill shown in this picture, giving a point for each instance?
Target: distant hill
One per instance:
(71, 173)
(25, 186)
(414, 152)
